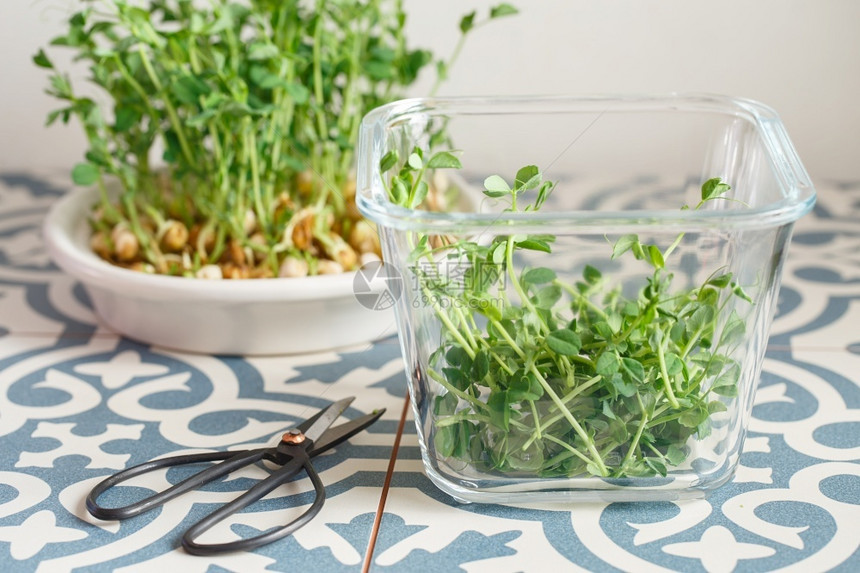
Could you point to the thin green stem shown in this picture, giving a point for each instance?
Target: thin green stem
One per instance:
(673, 246)
(589, 444)
(318, 78)
(454, 390)
(582, 299)
(638, 436)
(664, 373)
(509, 264)
(455, 54)
(511, 342)
(569, 448)
(536, 418)
(260, 202)
(168, 106)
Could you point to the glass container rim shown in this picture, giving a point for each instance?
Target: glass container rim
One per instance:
(798, 192)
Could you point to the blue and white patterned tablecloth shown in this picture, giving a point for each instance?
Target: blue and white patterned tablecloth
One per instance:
(78, 403)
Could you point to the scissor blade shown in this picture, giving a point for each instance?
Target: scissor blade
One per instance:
(321, 422)
(303, 427)
(338, 434)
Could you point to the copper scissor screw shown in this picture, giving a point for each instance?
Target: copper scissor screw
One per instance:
(293, 437)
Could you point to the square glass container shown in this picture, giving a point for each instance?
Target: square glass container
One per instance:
(599, 336)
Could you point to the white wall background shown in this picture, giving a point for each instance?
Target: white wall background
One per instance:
(801, 57)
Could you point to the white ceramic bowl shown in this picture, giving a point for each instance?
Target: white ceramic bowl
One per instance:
(240, 317)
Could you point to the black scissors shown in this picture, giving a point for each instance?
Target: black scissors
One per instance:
(313, 436)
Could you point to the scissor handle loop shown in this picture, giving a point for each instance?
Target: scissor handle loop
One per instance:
(299, 460)
(232, 461)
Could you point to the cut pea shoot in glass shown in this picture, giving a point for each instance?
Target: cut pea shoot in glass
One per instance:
(547, 377)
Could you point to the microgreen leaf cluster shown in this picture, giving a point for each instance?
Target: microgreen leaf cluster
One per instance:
(542, 376)
(254, 108)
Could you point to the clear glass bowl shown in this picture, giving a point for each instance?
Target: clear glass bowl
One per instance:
(608, 344)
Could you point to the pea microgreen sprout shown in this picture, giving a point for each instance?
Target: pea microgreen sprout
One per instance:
(561, 378)
(253, 108)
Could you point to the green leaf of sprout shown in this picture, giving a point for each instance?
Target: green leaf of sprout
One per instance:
(740, 292)
(486, 306)
(591, 275)
(496, 185)
(260, 51)
(442, 69)
(299, 93)
(634, 369)
(624, 244)
(701, 319)
(540, 275)
(445, 441)
(720, 281)
(543, 194)
(457, 378)
(674, 364)
(592, 469)
(399, 193)
(716, 406)
(564, 342)
(656, 257)
(457, 356)
(733, 331)
(608, 364)
(495, 194)
(675, 455)
(727, 383)
(388, 161)
(623, 385)
(85, 174)
(444, 160)
(658, 466)
(693, 417)
(189, 89)
(467, 22)
(126, 118)
(41, 60)
(421, 191)
(525, 387)
(500, 411)
(713, 188)
(498, 254)
(501, 10)
(445, 405)
(535, 245)
(480, 365)
(528, 177)
(548, 296)
(415, 161)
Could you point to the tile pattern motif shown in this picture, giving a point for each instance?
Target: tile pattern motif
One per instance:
(78, 403)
